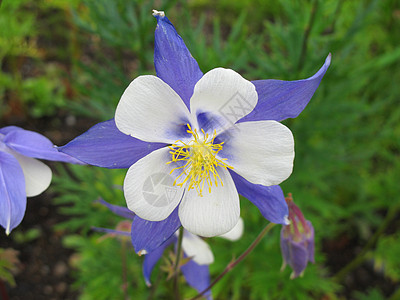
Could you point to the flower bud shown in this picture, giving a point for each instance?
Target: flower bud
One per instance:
(297, 240)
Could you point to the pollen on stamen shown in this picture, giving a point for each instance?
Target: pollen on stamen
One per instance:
(201, 161)
(158, 13)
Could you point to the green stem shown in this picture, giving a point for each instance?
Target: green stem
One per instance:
(307, 35)
(154, 287)
(124, 270)
(336, 14)
(233, 264)
(176, 267)
(391, 214)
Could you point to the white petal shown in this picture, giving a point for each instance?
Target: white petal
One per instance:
(224, 97)
(37, 174)
(262, 152)
(151, 111)
(236, 232)
(149, 189)
(213, 214)
(195, 247)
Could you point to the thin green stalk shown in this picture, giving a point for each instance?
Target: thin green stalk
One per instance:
(233, 264)
(154, 287)
(124, 270)
(336, 15)
(307, 31)
(176, 267)
(359, 259)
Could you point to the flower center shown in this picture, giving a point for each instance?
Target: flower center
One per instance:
(199, 161)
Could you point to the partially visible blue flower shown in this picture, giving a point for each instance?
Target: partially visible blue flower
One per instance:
(158, 129)
(21, 175)
(195, 270)
(297, 241)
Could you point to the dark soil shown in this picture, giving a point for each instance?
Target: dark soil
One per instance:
(44, 271)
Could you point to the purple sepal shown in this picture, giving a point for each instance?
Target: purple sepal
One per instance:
(172, 60)
(12, 192)
(8, 129)
(268, 199)
(197, 276)
(111, 231)
(294, 254)
(105, 146)
(297, 240)
(279, 100)
(151, 259)
(284, 242)
(33, 144)
(148, 236)
(310, 243)
(118, 210)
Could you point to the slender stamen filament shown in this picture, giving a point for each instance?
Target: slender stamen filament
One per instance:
(201, 159)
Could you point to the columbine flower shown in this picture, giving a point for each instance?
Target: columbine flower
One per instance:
(21, 175)
(196, 251)
(192, 142)
(297, 241)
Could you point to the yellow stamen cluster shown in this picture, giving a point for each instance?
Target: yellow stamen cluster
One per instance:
(201, 161)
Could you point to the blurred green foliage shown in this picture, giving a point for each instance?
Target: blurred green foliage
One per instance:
(30, 83)
(347, 165)
(387, 256)
(8, 265)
